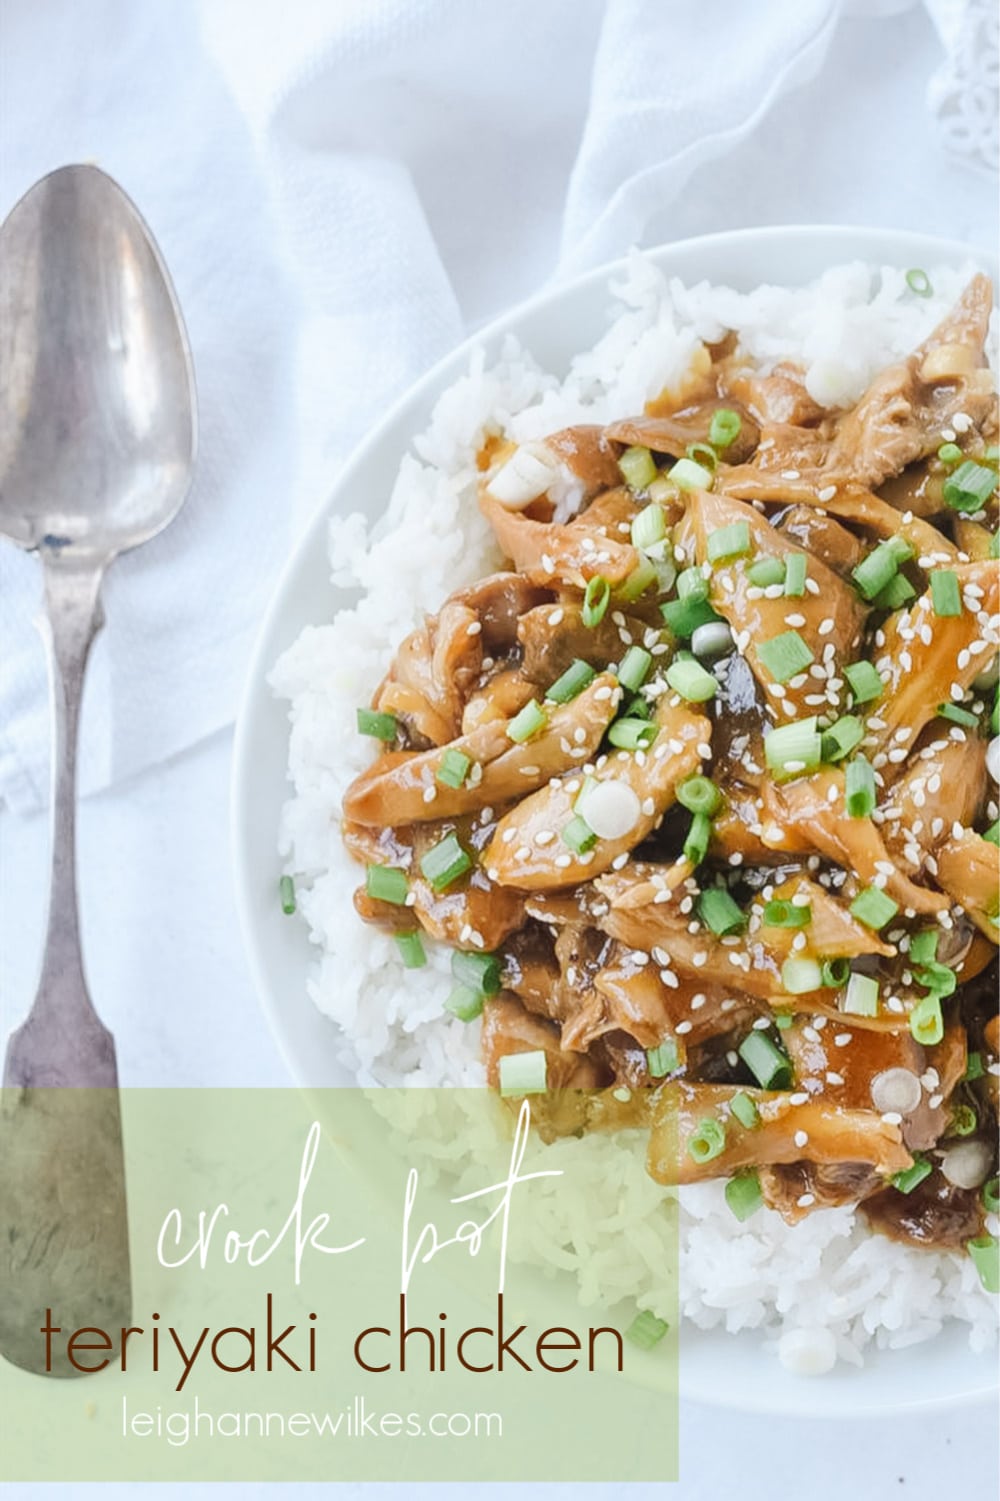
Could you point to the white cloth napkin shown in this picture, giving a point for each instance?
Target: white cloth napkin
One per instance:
(343, 188)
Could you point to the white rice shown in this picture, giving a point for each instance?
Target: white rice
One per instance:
(827, 1273)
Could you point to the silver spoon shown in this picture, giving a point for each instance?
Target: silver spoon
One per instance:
(97, 446)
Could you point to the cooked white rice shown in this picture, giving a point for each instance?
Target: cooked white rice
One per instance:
(828, 1273)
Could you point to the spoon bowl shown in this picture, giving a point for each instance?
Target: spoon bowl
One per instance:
(97, 407)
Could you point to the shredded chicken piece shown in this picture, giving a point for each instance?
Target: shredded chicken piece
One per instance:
(570, 554)
(808, 814)
(927, 659)
(828, 622)
(967, 870)
(527, 851)
(679, 916)
(405, 788)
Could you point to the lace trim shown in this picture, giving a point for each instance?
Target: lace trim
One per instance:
(963, 94)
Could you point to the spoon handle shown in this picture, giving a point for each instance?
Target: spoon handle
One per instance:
(63, 1042)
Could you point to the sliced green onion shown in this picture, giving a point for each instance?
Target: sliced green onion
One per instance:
(783, 1021)
(699, 794)
(386, 884)
(796, 569)
(578, 835)
(939, 978)
(634, 668)
(860, 797)
(866, 683)
(862, 998)
(880, 566)
(923, 946)
(958, 715)
(660, 555)
(919, 282)
(638, 708)
(595, 601)
(527, 722)
(380, 726)
(985, 1253)
(444, 862)
(465, 1003)
(973, 1067)
(768, 1064)
(454, 768)
(842, 737)
(836, 973)
(662, 1060)
(946, 597)
(712, 640)
(901, 549)
(897, 592)
(926, 1021)
(578, 675)
(874, 908)
(782, 914)
(478, 971)
(949, 453)
(785, 656)
(411, 949)
(724, 427)
(697, 842)
(523, 1073)
(963, 1121)
(691, 681)
(907, 1180)
(991, 1195)
(719, 912)
(731, 541)
(286, 895)
(969, 487)
(632, 734)
(800, 976)
(766, 571)
(745, 1111)
(589, 783)
(791, 749)
(692, 584)
(743, 1195)
(684, 616)
(639, 580)
(992, 834)
(687, 475)
(649, 527)
(638, 468)
(646, 1330)
(702, 454)
(707, 1141)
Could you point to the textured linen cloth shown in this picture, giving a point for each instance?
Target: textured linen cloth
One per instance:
(343, 189)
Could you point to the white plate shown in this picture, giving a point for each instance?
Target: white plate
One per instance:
(717, 1368)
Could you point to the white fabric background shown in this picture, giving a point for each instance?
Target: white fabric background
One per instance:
(342, 189)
